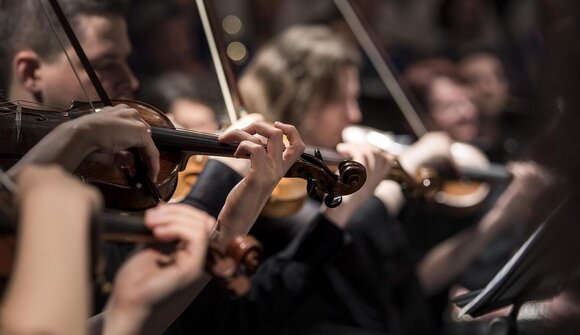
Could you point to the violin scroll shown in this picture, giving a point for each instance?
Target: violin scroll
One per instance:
(322, 183)
(234, 266)
(246, 251)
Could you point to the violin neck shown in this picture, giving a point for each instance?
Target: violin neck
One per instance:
(329, 157)
(194, 143)
(493, 173)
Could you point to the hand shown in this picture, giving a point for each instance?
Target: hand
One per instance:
(432, 147)
(102, 136)
(150, 276)
(378, 166)
(267, 166)
(517, 203)
(530, 181)
(376, 161)
(112, 131)
(241, 166)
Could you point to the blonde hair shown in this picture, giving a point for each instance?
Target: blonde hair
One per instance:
(297, 71)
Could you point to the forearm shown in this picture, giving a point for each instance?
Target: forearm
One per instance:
(242, 207)
(129, 320)
(65, 146)
(49, 290)
(449, 258)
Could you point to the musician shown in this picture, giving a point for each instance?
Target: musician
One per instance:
(503, 125)
(310, 76)
(470, 101)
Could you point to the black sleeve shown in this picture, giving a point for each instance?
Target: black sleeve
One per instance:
(279, 286)
(212, 187)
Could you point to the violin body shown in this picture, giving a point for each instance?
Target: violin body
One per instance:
(188, 177)
(113, 182)
(17, 137)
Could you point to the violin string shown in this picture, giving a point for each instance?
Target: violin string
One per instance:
(67, 56)
(53, 108)
(31, 104)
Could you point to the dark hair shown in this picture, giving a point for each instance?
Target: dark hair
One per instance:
(24, 25)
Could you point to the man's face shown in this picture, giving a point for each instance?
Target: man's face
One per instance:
(328, 122)
(452, 111)
(486, 80)
(106, 43)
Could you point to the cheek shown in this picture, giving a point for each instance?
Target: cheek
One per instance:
(331, 126)
(108, 80)
(443, 120)
(60, 87)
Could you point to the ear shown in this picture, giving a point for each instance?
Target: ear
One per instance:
(25, 70)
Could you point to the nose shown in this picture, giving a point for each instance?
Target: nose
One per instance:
(353, 112)
(467, 110)
(133, 81)
(128, 84)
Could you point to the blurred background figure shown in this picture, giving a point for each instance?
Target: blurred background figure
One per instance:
(185, 99)
(504, 118)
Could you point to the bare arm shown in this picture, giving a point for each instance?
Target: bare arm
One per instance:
(49, 289)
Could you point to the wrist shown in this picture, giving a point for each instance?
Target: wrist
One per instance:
(261, 188)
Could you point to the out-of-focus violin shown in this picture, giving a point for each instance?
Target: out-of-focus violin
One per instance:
(459, 189)
(232, 266)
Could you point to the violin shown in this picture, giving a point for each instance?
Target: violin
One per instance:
(23, 126)
(232, 266)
